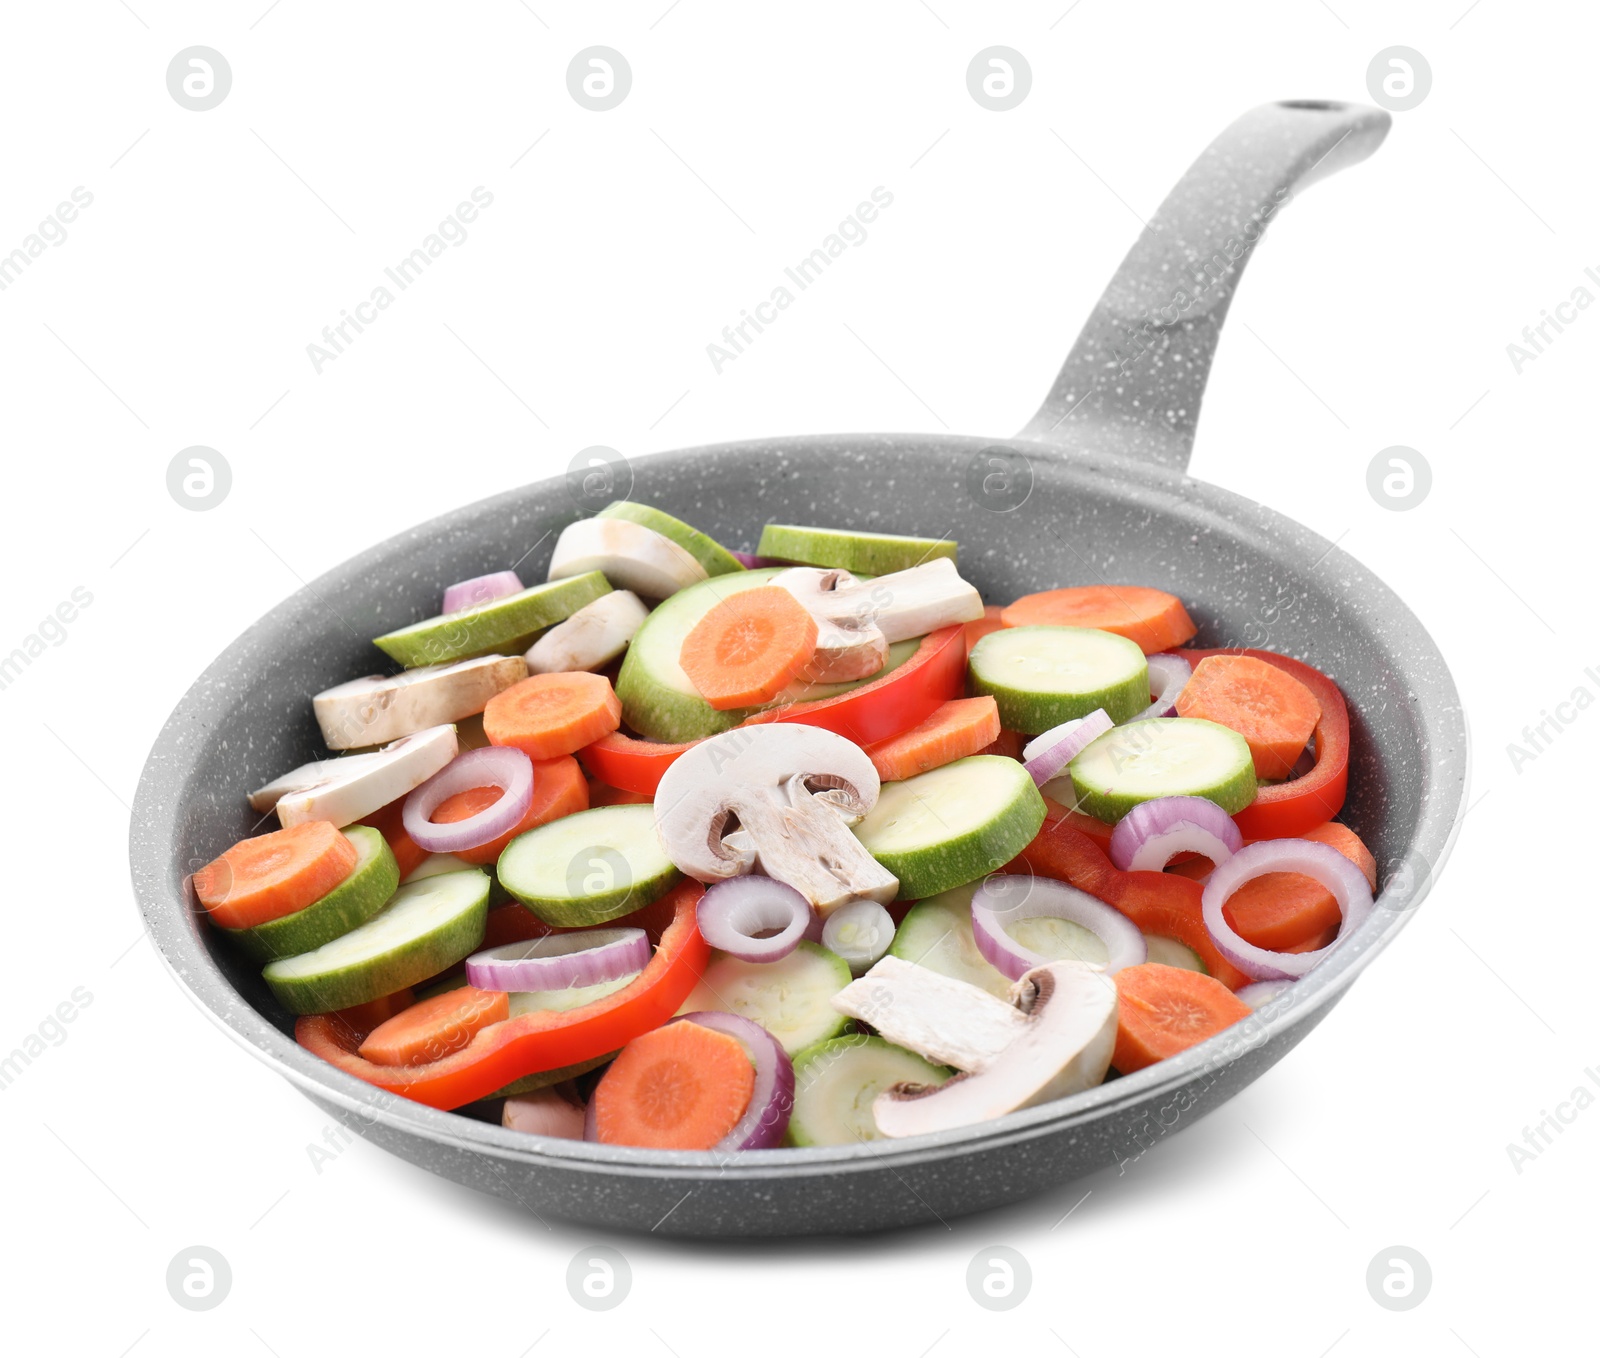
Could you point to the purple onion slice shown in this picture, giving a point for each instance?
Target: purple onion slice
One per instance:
(492, 766)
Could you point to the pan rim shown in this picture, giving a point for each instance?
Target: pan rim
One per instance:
(166, 914)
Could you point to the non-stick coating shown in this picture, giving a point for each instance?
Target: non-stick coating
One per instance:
(1248, 576)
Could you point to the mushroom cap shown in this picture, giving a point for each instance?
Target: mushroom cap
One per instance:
(743, 775)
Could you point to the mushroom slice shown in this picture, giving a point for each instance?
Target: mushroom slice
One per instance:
(345, 790)
(848, 647)
(910, 603)
(630, 556)
(379, 708)
(950, 1022)
(779, 799)
(592, 637)
(1065, 1047)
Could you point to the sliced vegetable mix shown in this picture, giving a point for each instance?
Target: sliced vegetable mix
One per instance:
(801, 848)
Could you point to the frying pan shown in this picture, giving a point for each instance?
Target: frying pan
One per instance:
(1093, 488)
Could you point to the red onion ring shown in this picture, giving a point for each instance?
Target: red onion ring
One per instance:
(481, 589)
(1149, 835)
(1171, 672)
(1344, 881)
(733, 912)
(492, 766)
(1011, 897)
(752, 562)
(1045, 756)
(560, 961)
(766, 1116)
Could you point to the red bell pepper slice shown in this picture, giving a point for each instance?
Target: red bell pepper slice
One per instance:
(1158, 903)
(1286, 810)
(907, 695)
(507, 1051)
(629, 763)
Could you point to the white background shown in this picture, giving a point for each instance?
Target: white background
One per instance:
(178, 312)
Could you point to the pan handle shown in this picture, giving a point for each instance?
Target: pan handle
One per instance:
(1133, 382)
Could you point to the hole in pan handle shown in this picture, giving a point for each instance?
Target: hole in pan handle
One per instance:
(1133, 381)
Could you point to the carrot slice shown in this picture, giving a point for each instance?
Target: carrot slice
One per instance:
(1316, 941)
(956, 729)
(747, 649)
(1272, 710)
(432, 1029)
(388, 820)
(274, 875)
(681, 1087)
(979, 628)
(1347, 842)
(1280, 910)
(1154, 619)
(1286, 911)
(549, 715)
(1163, 1010)
(558, 790)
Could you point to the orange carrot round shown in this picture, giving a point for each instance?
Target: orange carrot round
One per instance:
(431, 1029)
(1347, 842)
(273, 875)
(389, 821)
(979, 628)
(956, 729)
(1279, 910)
(1288, 911)
(559, 790)
(1154, 619)
(549, 715)
(680, 1087)
(1271, 709)
(1163, 1010)
(749, 647)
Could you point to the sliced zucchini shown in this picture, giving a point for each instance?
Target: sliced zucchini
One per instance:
(566, 999)
(353, 902)
(791, 998)
(1170, 757)
(836, 1081)
(872, 553)
(589, 867)
(507, 625)
(1171, 953)
(937, 934)
(716, 558)
(954, 824)
(1043, 676)
(426, 927)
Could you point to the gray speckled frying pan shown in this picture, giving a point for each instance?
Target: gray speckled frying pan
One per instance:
(1103, 469)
